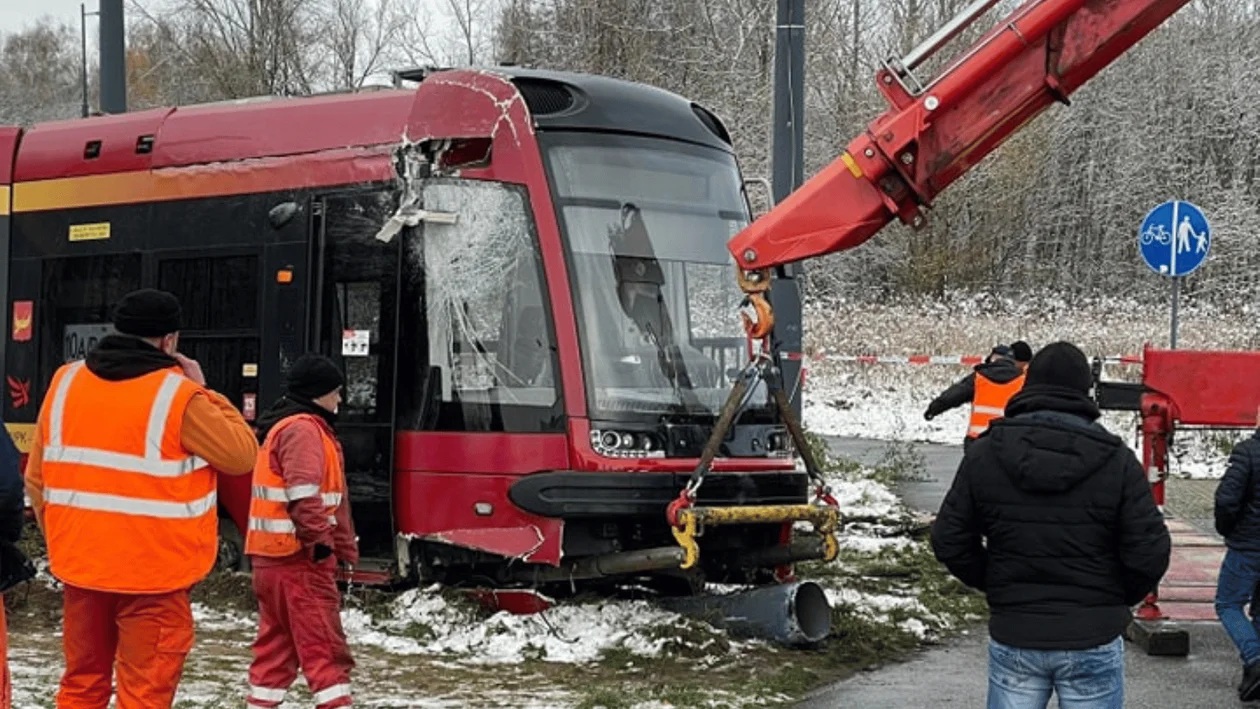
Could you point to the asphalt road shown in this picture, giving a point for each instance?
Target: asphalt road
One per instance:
(954, 675)
(923, 495)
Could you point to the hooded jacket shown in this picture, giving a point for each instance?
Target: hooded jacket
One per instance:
(1052, 517)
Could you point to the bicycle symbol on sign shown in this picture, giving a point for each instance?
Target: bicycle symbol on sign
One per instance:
(1156, 232)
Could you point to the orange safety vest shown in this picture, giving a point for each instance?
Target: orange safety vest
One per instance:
(127, 509)
(989, 402)
(271, 531)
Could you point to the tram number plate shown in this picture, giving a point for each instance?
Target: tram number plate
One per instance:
(79, 339)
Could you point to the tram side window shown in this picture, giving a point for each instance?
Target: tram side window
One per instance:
(491, 364)
(219, 298)
(216, 293)
(77, 300)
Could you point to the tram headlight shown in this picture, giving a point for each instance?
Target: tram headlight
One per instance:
(625, 444)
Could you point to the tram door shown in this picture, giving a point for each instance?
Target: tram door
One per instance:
(355, 322)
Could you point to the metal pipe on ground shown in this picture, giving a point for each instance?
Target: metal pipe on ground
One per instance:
(627, 562)
(801, 549)
(793, 614)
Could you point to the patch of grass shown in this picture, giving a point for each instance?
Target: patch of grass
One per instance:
(902, 461)
(227, 590)
(1223, 442)
(825, 460)
(419, 631)
(683, 695)
(690, 639)
(377, 604)
(617, 658)
(788, 678)
(33, 606)
(32, 542)
(605, 698)
(858, 641)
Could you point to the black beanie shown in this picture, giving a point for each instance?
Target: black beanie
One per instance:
(1060, 364)
(147, 313)
(1022, 351)
(313, 376)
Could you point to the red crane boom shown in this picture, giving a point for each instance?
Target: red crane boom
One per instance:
(934, 132)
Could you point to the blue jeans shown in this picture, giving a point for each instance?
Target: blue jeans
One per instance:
(1082, 679)
(1234, 590)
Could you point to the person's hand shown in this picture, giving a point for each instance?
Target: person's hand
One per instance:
(192, 370)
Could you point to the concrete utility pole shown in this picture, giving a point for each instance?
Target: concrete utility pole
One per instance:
(788, 173)
(113, 57)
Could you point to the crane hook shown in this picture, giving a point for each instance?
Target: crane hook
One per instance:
(758, 328)
(755, 284)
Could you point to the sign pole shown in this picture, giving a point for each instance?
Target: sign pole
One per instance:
(1176, 295)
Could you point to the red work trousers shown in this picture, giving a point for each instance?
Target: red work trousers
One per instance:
(299, 626)
(146, 638)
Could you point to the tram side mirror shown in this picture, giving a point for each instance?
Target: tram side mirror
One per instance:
(282, 214)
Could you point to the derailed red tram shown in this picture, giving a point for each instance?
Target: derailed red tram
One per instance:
(524, 275)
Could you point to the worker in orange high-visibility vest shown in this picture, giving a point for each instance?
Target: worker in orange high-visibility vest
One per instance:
(299, 530)
(989, 386)
(121, 476)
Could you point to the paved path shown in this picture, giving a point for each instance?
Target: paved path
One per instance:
(923, 495)
(954, 675)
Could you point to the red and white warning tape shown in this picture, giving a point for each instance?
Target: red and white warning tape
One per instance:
(967, 360)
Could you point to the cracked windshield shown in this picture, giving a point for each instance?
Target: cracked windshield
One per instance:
(647, 223)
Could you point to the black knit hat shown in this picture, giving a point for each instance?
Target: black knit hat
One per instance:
(313, 376)
(147, 313)
(1000, 352)
(1022, 351)
(1060, 364)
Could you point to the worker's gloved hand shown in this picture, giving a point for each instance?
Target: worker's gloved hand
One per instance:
(320, 552)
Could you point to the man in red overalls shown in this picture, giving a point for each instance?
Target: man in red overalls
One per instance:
(299, 529)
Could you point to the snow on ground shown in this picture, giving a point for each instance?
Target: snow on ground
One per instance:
(887, 401)
(425, 622)
(429, 648)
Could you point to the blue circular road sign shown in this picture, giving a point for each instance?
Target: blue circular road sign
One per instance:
(1175, 238)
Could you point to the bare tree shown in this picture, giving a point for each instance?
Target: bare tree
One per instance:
(39, 74)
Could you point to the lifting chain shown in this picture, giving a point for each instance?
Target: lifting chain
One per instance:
(761, 368)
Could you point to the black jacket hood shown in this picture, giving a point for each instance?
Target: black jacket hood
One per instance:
(1000, 371)
(1051, 451)
(120, 357)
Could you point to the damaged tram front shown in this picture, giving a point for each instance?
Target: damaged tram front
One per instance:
(530, 295)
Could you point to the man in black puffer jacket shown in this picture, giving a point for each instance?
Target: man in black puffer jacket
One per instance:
(1052, 517)
(1238, 520)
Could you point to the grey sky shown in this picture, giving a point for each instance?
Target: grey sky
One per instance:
(16, 15)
